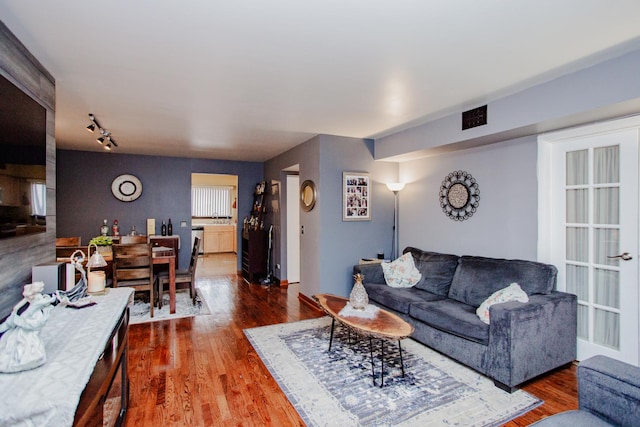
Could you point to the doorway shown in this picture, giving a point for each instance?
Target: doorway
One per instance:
(293, 229)
(590, 176)
(214, 217)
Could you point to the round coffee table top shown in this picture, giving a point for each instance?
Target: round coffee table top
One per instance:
(383, 325)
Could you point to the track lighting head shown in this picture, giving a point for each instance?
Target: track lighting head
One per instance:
(104, 134)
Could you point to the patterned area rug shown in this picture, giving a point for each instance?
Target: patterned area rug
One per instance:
(336, 388)
(139, 311)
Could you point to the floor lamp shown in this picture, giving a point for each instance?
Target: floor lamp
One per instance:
(396, 187)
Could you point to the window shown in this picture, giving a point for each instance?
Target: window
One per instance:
(38, 199)
(211, 201)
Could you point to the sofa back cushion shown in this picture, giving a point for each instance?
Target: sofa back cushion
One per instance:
(476, 278)
(437, 270)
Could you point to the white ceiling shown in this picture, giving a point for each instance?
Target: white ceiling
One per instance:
(249, 79)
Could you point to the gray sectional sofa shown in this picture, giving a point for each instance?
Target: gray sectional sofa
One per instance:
(522, 340)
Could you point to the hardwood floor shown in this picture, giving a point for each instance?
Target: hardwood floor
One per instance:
(202, 371)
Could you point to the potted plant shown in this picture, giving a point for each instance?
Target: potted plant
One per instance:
(103, 243)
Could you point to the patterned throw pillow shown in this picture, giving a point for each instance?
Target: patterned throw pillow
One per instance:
(401, 273)
(513, 292)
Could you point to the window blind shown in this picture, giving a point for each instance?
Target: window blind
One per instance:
(211, 201)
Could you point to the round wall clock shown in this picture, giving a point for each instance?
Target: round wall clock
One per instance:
(126, 188)
(459, 195)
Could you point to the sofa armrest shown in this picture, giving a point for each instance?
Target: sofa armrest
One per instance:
(529, 339)
(372, 273)
(610, 389)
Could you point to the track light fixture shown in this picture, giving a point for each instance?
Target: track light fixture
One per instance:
(105, 135)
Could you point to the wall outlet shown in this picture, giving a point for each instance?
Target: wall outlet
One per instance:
(183, 224)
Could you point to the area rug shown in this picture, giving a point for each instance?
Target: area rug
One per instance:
(335, 387)
(139, 311)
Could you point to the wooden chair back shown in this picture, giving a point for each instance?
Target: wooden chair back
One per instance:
(133, 267)
(68, 241)
(188, 276)
(194, 256)
(125, 240)
(64, 252)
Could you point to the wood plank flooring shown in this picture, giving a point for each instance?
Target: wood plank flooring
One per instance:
(202, 371)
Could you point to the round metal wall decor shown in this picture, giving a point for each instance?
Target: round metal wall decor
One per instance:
(126, 187)
(459, 195)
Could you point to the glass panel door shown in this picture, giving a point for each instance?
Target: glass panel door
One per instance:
(596, 178)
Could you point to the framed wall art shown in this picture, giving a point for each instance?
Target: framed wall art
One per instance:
(356, 196)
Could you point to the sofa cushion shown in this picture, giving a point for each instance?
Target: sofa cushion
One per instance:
(398, 299)
(453, 317)
(513, 292)
(476, 278)
(437, 270)
(401, 273)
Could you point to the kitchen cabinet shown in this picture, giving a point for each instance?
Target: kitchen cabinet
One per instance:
(9, 191)
(219, 238)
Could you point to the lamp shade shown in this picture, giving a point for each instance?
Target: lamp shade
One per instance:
(96, 260)
(395, 186)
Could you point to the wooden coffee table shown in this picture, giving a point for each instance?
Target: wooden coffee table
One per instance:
(384, 326)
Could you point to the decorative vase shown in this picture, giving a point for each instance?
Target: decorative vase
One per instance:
(358, 298)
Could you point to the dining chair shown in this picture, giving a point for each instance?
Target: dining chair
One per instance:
(125, 240)
(182, 276)
(68, 241)
(64, 252)
(133, 267)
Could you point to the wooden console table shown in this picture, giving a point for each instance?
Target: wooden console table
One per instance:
(84, 381)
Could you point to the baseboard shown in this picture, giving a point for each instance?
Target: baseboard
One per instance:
(282, 283)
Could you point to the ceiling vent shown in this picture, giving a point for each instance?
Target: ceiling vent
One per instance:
(474, 118)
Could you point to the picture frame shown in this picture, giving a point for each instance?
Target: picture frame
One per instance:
(356, 196)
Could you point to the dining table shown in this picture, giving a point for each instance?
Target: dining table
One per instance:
(165, 255)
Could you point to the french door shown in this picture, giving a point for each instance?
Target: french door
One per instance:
(591, 234)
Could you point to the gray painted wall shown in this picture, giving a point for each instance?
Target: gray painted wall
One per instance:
(330, 247)
(307, 157)
(85, 199)
(502, 156)
(344, 243)
(506, 222)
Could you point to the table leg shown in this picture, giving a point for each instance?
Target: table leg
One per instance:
(381, 363)
(373, 374)
(401, 362)
(333, 324)
(172, 285)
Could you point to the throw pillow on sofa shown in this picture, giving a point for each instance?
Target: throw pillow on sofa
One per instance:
(513, 292)
(401, 273)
